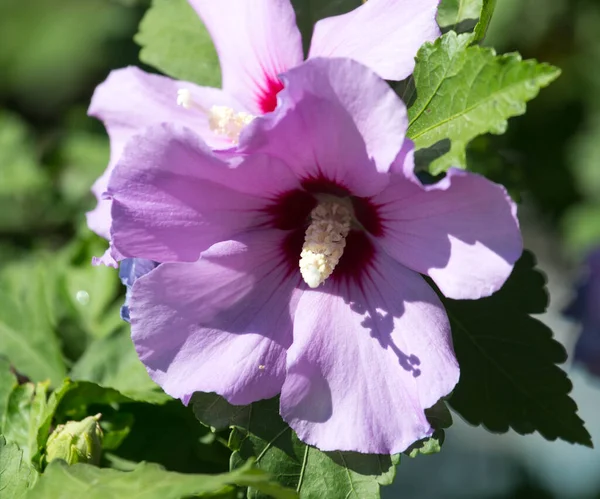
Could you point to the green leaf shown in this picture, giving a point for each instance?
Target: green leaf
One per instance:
(43, 77)
(27, 336)
(25, 416)
(113, 362)
(8, 382)
(453, 12)
(30, 412)
(72, 398)
(509, 377)
(440, 418)
(174, 40)
(23, 183)
(262, 434)
(439, 415)
(428, 446)
(463, 92)
(308, 12)
(116, 429)
(84, 157)
(86, 293)
(23, 413)
(484, 21)
(149, 481)
(19, 168)
(16, 474)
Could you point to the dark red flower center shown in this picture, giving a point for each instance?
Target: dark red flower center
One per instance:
(291, 211)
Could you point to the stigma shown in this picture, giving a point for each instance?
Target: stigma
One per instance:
(324, 241)
(222, 120)
(226, 122)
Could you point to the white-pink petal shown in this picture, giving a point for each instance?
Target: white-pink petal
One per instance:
(256, 41)
(382, 34)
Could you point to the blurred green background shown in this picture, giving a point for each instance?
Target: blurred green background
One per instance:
(52, 55)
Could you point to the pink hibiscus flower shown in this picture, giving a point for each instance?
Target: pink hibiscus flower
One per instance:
(256, 41)
(293, 262)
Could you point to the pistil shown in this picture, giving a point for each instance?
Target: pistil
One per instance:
(324, 241)
(222, 120)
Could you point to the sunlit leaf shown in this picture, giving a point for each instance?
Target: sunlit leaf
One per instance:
(463, 92)
(509, 374)
(16, 474)
(175, 41)
(149, 481)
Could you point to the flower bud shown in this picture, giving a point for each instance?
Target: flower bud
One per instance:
(76, 442)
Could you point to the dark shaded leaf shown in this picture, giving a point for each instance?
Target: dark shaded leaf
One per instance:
(509, 377)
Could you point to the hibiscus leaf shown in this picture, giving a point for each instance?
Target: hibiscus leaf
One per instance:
(25, 415)
(8, 382)
(113, 363)
(27, 321)
(175, 41)
(451, 13)
(439, 417)
(16, 474)
(260, 433)
(509, 377)
(150, 481)
(464, 91)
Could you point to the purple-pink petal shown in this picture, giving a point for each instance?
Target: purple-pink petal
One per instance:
(256, 41)
(337, 121)
(368, 357)
(376, 111)
(221, 325)
(462, 231)
(173, 198)
(130, 100)
(383, 34)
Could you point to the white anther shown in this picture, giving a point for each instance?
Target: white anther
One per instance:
(184, 98)
(222, 120)
(225, 121)
(324, 242)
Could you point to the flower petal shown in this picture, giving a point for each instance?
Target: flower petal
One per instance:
(173, 198)
(337, 120)
(221, 324)
(462, 231)
(256, 41)
(99, 219)
(131, 100)
(368, 357)
(383, 34)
